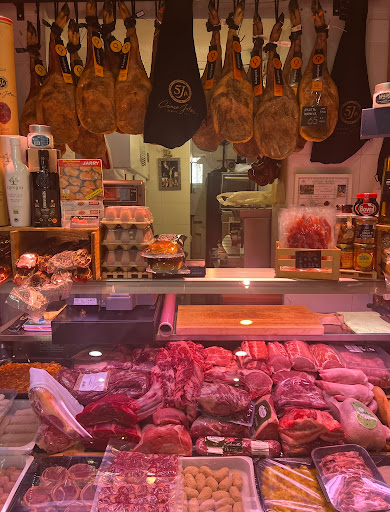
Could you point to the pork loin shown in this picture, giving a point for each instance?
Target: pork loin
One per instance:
(317, 89)
(232, 102)
(207, 138)
(277, 119)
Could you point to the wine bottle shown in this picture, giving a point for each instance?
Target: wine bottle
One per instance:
(45, 187)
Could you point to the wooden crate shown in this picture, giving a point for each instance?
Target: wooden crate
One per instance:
(329, 259)
(358, 274)
(26, 239)
(382, 242)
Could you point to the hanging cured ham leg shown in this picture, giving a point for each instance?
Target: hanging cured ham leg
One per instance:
(37, 76)
(95, 93)
(318, 96)
(56, 98)
(112, 46)
(250, 149)
(277, 120)
(133, 86)
(232, 101)
(87, 144)
(206, 138)
(292, 70)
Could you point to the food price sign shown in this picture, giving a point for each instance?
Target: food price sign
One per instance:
(322, 189)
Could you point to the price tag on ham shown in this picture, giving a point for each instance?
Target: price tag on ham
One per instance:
(92, 382)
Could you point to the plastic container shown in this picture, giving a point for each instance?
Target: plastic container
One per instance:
(124, 260)
(373, 361)
(127, 216)
(381, 96)
(9, 394)
(22, 462)
(243, 465)
(26, 448)
(138, 238)
(336, 483)
(33, 475)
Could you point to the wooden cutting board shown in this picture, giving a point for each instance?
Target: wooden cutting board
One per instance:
(219, 320)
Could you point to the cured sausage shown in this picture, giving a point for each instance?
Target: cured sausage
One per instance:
(87, 144)
(95, 93)
(132, 86)
(277, 119)
(250, 149)
(37, 74)
(56, 98)
(292, 70)
(317, 91)
(207, 138)
(232, 102)
(207, 446)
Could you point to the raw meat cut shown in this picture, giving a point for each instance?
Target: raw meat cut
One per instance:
(95, 92)
(180, 369)
(81, 474)
(111, 408)
(277, 120)
(168, 439)
(265, 422)
(370, 361)
(292, 69)
(351, 483)
(65, 494)
(53, 475)
(88, 493)
(37, 76)
(300, 356)
(361, 426)
(112, 46)
(204, 426)
(56, 98)
(256, 382)
(36, 496)
(317, 90)
(206, 138)
(133, 384)
(232, 102)
(254, 351)
(250, 149)
(297, 392)
(342, 391)
(87, 144)
(132, 86)
(326, 357)
(218, 356)
(222, 399)
(177, 98)
(107, 431)
(283, 375)
(278, 359)
(167, 415)
(344, 376)
(302, 429)
(229, 446)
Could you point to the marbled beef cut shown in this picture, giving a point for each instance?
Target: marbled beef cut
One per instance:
(232, 102)
(95, 93)
(222, 399)
(317, 89)
(56, 99)
(132, 86)
(207, 138)
(277, 119)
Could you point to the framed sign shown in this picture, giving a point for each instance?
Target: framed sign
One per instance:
(169, 174)
(322, 189)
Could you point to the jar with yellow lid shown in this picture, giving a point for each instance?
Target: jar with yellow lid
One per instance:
(364, 257)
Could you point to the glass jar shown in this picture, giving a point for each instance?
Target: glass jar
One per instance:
(364, 257)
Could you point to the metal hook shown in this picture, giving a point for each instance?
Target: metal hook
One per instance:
(76, 11)
(276, 10)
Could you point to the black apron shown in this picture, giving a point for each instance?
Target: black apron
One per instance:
(350, 75)
(177, 104)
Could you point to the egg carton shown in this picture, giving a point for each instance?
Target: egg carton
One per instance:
(128, 238)
(127, 216)
(124, 260)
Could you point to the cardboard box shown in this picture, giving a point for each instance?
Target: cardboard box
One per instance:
(81, 180)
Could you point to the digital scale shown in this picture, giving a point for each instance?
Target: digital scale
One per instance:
(124, 193)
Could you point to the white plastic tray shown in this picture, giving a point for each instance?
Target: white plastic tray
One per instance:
(18, 450)
(244, 465)
(20, 462)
